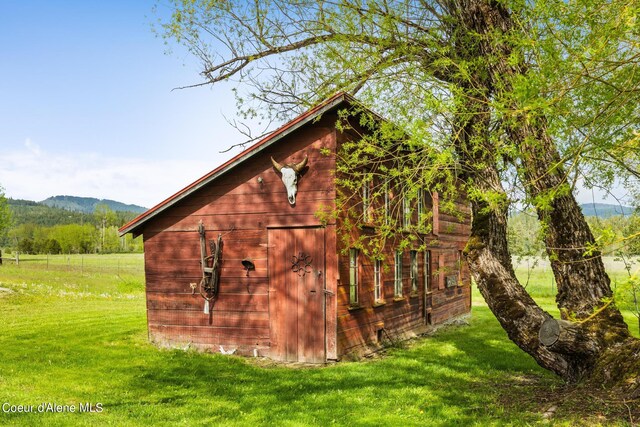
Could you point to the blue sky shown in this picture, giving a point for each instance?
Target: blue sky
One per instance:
(87, 107)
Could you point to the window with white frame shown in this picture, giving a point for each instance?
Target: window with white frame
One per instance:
(427, 271)
(377, 280)
(420, 204)
(406, 211)
(387, 202)
(414, 271)
(426, 207)
(353, 276)
(397, 289)
(460, 260)
(366, 201)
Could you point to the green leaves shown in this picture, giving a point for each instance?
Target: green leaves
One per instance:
(627, 294)
(5, 214)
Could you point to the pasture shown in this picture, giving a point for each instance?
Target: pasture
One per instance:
(77, 339)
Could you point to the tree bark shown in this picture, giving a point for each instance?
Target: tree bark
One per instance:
(561, 336)
(583, 285)
(487, 252)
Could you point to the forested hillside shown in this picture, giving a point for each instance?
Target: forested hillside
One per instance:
(39, 228)
(30, 212)
(605, 210)
(89, 204)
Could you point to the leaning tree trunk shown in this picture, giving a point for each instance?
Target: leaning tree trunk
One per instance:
(584, 292)
(588, 346)
(487, 252)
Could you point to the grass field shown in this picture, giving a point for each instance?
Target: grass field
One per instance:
(72, 338)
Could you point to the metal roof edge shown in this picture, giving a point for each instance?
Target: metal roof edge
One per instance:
(256, 148)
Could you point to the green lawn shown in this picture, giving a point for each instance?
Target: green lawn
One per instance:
(541, 286)
(70, 338)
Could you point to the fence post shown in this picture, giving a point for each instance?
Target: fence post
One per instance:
(17, 258)
(0, 256)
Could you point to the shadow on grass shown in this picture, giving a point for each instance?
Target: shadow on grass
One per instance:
(95, 350)
(450, 378)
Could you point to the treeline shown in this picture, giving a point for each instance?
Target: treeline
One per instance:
(30, 212)
(40, 229)
(615, 235)
(69, 239)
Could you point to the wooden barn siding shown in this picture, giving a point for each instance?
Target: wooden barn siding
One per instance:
(357, 328)
(331, 300)
(453, 234)
(240, 208)
(450, 303)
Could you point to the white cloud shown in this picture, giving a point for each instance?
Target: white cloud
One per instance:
(32, 147)
(35, 174)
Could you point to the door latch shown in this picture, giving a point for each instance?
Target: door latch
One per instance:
(328, 292)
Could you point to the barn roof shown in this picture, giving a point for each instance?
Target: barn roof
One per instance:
(329, 104)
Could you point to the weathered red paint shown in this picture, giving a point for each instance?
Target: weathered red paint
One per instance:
(273, 311)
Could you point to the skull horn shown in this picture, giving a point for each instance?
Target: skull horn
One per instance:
(298, 167)
(276, 165)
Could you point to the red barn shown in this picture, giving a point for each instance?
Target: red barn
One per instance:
(233, 265)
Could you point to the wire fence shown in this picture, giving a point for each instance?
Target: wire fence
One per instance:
(117, 264)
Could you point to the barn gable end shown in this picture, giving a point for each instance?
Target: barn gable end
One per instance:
(293, 305)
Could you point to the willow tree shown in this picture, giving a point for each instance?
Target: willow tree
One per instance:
(517, 101)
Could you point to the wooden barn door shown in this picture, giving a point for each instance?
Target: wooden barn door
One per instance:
(296, 294)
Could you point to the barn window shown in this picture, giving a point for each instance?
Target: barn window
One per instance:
(427, 271)
(387, 202)
(353, 276)
(435, 207)
(377, 280)
(414, 271)
(366, 202)
(424, 201)
(406, 211)
(397, 290)
(460, 259)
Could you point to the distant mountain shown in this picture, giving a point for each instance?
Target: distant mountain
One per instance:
(604, 210)
(30, 212)
(88, 204)
(45, 215)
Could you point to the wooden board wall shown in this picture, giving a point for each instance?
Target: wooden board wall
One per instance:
(240, 207)
(358, 327)
(373, 323)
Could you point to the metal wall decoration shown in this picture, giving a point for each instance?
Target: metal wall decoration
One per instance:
(301, 264)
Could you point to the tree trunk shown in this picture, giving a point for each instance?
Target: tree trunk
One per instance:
(582, 280)
(583, 285)
(487, 252)
(561, 336)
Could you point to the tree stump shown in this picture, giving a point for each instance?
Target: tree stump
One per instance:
(561, 336)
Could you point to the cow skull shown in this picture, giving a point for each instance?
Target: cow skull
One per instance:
(290, 173)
